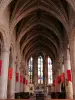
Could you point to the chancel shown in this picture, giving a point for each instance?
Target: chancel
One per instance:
(37, 49)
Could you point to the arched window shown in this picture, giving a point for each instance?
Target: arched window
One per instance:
(50, 78)
(40, 70)
(30, 64)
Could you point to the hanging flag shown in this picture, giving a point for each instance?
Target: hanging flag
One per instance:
(20, 79)
(58, 79)
(17, 76)
(10, 71)
(0, 67)
(26, 82)
(62, 77)
(55, 82)
(69, 75)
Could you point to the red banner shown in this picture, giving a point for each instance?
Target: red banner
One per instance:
(0, 67)
(26, 82)
(21, 79)
(55, 82)
(58, 79)
(17, 77)
(10, 71)
(69, 75)
(62, 77)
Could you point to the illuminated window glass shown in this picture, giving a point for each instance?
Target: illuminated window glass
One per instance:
(40, 70)
(30, 64)
(50, 78)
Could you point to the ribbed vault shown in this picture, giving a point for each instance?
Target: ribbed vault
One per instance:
(41, 25)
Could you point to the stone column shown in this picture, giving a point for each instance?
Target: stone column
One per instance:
(69, 87)
(58, 87)
(17, 86)
(45, 73)
(21, 84)
(63, 84)
(62, 68)
(11, 89)
(54, 77)
(53, 74)
(35, 71)
(26, 87)
(4, 75)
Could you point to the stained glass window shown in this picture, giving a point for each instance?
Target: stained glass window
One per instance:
(40, 70)
(50, 78)
(30, 64)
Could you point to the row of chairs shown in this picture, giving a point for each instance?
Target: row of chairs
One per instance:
(59, 95)
(22, 95)
(27, 95)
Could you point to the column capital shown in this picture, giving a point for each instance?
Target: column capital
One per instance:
(66, 58)
(5, 50)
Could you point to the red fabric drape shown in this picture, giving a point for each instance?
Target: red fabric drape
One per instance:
(21, 79)
(10, 71)
(26, 82)
(58, 79)
(55, 82)
(69, 75)
(0, 67)
(62, 77)
(17, 77)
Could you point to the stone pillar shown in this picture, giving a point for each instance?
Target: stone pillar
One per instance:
(63, 85)
(21, 84)
(62, 68)
(53, 74)
(54, 77)
(69, 87)
(35, 71)
(26, 87)
(58, 87)
(11, 89)
(72, 56)
(17, 86)
(45, 73)
(4, 75)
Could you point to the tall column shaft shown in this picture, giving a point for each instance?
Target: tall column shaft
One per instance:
(26, 87)
(45, 73)
(58, 87)
(67, 66)
(35, 71)
(17, 88)
(11, 91)
(54, 72)
(21, 84)
(4, 75)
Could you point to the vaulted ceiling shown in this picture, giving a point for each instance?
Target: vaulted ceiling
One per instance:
(41, 25)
